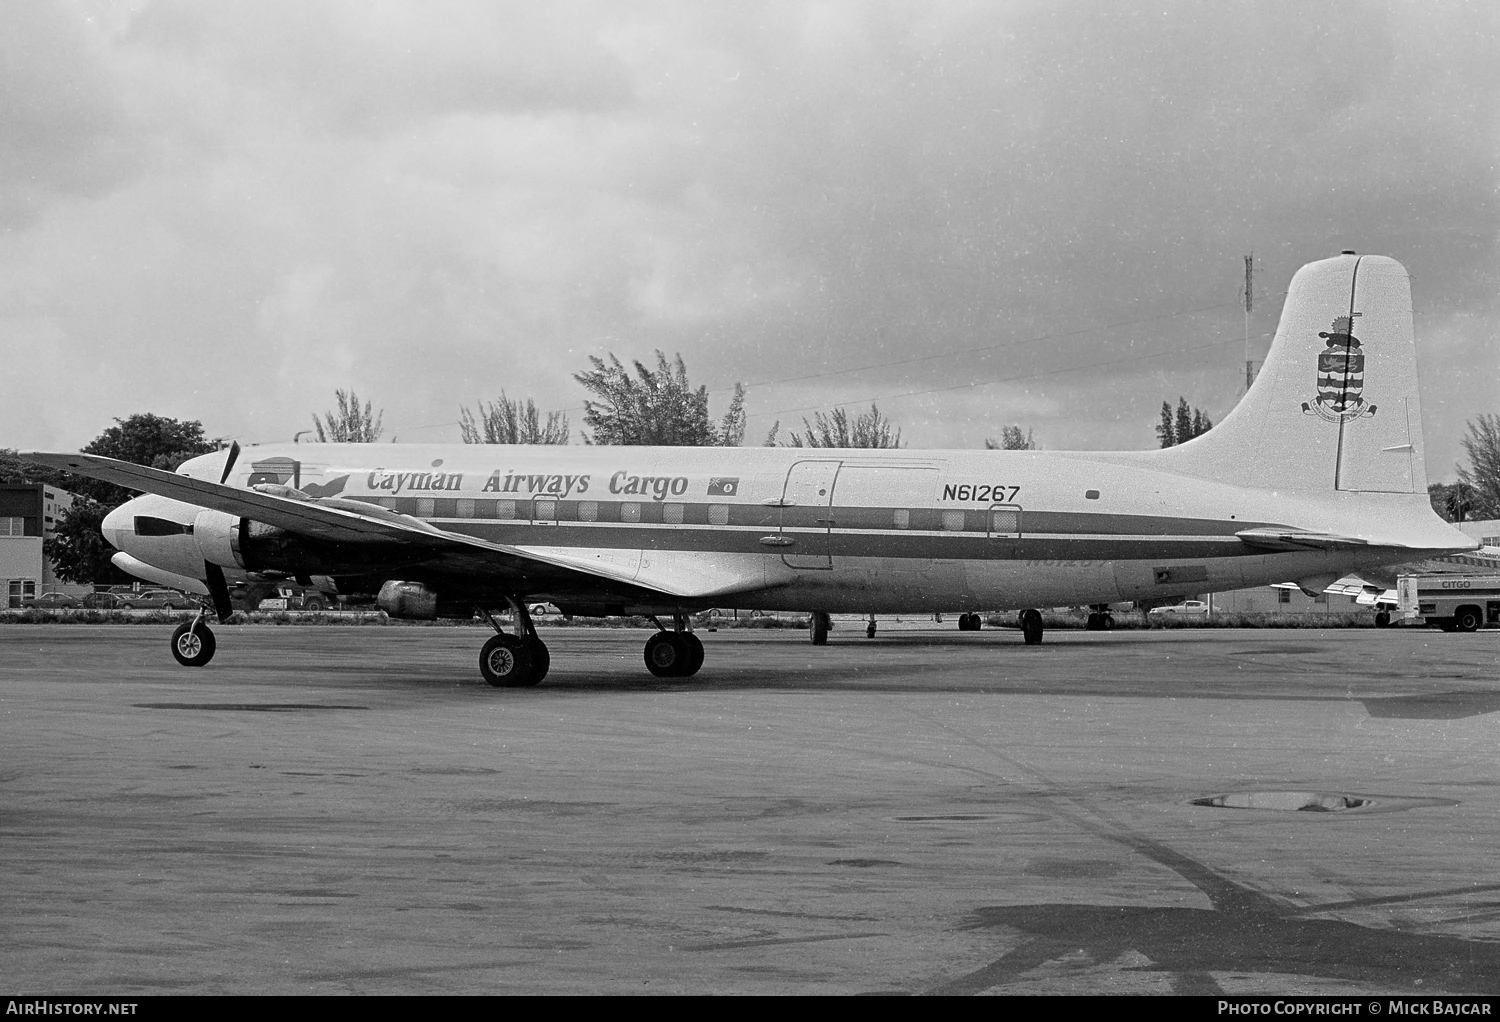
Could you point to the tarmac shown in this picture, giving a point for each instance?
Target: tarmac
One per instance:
(351, 810)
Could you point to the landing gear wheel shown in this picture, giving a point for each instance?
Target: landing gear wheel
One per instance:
(1382, 619)
(1467, 619)
(870, 630)
(1031, 627)
(505, 662)
(670, 655)
(193, 647)
(540, 660)
(695, 654)
(818, 628)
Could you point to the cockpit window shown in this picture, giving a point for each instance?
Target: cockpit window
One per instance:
(145, 526)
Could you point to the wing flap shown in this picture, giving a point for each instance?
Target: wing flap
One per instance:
(1298, 539)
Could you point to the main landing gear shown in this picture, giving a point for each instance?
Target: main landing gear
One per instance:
(970, 622)
(1100, 619)
(193, 643)
(514, 661)
(1031, 627)
(674, 654)
(818, 625)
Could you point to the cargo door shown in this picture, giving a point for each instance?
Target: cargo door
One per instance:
(807, 515)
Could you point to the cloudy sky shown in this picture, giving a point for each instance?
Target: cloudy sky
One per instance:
(976, 214)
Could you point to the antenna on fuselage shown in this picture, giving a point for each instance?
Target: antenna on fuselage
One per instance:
(1249, 300)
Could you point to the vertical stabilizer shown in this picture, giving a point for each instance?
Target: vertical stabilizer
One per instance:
(1335, 407)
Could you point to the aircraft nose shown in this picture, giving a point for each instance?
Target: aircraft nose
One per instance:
(118, 525)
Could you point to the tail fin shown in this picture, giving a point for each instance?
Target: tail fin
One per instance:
(1335, 407)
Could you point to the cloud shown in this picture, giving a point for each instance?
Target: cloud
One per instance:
(225, 211)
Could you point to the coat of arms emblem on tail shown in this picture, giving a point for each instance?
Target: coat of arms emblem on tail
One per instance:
(1341, 376)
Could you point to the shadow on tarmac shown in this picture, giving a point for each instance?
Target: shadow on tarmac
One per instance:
(1244, 932)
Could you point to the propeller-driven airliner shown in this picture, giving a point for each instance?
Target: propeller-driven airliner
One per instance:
(1316, 474)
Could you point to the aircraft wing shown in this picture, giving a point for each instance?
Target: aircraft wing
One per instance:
(343, 520)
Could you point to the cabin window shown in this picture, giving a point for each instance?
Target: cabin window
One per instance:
(953, 521)
(1090, 494)
(671, 514)
(588, 510)
(630, 512)
(901, 518)
(426, 507)
(546, 511)
(718, 514)
(1007, 521)
(466, 507)
(505, 509)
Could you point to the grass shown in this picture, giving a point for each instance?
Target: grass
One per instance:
(1051, 620)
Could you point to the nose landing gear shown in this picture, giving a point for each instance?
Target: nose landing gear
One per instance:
(193, 644)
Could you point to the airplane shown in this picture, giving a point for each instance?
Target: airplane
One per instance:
(1316, 474)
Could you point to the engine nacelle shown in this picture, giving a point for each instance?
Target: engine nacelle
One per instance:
(411, 600)
(218, 538)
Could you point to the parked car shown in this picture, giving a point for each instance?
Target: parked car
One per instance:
(101, 601)
(155, 599)
(1186, 607)
(294, 598)
(58, 601)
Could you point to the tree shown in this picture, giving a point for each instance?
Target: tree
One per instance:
(78, 550)
(655, 407)
(507, 422)
(1164, 430)
(1188, 423)
(1012, 439)
(143, 439)
(870, 430)
(1482, 445)
(1454, 502)
(350, 424)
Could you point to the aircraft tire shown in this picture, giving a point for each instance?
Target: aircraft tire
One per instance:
(541, 659)
(1468, 619)
(193, 647)
(1031, 627)
(695, 655)
(505, 662)
(870, 630)
(818, 628)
